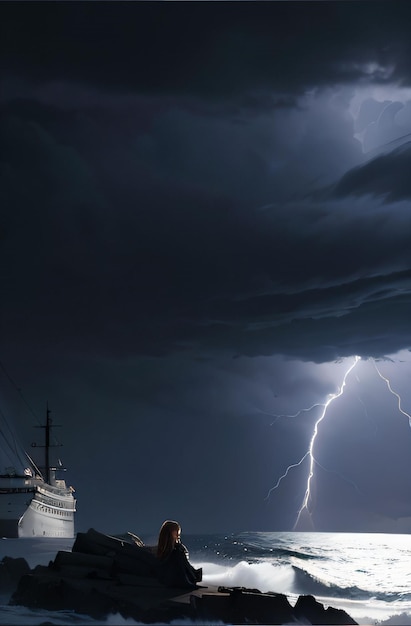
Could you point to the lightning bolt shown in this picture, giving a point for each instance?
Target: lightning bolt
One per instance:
(394, 393)
(334, 396)
(313, 462)
(310, 451)
(277, 417)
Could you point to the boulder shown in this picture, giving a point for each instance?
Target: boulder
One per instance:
(308, 608)
(244, 606)
(11, 570)
(127, 556)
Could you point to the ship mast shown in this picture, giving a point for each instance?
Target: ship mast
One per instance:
(47, 445)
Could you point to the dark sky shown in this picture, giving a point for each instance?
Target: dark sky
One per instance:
(205, 215)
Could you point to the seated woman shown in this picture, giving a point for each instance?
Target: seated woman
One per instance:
(174, 568)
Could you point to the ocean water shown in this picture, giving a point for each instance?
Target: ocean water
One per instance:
(367, 575)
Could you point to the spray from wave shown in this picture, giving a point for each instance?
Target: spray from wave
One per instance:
(262, 576)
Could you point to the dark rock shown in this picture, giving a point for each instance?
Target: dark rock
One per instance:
(308, 608)
(338, 616)
(11, 570)
(243, 606)
(77, 565)
(127, 556)
(97, 601)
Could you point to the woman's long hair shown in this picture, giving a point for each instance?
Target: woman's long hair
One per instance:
(166, 541)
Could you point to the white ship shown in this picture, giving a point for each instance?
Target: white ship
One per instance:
(32, 503)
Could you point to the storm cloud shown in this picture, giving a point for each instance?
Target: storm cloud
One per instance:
(197, 200)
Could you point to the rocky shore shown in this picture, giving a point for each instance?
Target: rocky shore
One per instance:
(105, 575)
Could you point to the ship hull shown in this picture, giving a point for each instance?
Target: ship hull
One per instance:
(36, 523)
(50, 514)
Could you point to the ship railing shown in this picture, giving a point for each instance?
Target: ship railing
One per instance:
(60, 502)
(61, 491)
(43, 505)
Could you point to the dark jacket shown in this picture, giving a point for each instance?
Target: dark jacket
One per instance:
(175, 570)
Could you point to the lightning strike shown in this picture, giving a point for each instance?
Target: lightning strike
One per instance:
(310, 451)
(394, 393)
(305, 506)
(290, 467)
(334, 396)
(279, 416)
